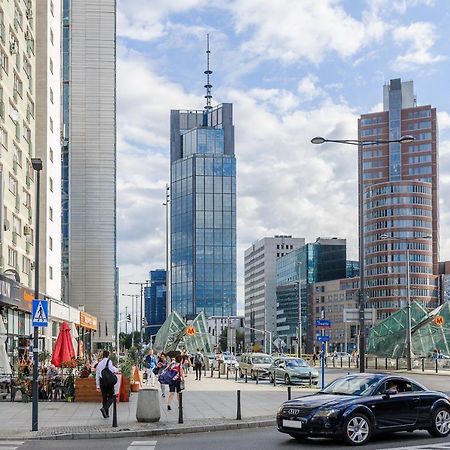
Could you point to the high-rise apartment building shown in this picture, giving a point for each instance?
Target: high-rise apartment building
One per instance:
(322, 260)
(155, 301)
(203, 212)
(89, 162)
(48, 141)
(17, 137)
(260, 286)
(401, 208)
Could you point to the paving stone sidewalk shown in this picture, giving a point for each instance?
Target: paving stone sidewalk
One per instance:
(206, 403)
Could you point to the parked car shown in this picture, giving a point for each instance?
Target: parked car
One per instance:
(293, 370)
(228, 358)
(356, 407)
(256, 364)
(342, 355)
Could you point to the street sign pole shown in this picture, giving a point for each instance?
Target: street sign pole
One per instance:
(323, 364)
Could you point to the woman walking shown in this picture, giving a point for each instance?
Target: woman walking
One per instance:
(176, 383)
(162, 364)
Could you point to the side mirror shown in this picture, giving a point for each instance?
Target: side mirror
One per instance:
(389, 392)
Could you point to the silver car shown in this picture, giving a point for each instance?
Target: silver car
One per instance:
(255, 365)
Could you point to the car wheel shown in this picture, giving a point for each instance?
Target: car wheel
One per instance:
(287, 379)
(298, 438)
(241, 375)
(252, 375)
(440, 423)
(357, 429)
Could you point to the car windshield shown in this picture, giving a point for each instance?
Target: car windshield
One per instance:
(354, 385)
(262, 360)
(295, 363)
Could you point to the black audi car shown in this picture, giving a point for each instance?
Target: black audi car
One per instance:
(355, 407)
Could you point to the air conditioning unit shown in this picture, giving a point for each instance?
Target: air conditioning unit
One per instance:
(27, 230)
(13, 47)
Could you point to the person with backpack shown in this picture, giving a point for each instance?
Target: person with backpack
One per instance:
(175, 377)
(161, 366)
(199, 360)
(105, 380)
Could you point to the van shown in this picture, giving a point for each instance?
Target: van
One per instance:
(255, 364)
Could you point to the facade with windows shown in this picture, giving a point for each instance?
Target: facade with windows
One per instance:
(400, 201)
(88, 196)
(203, 212)
(155, 302)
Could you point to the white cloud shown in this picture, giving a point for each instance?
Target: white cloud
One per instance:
(291, 30)
(418, 38)
(308, 88)
(443, 120)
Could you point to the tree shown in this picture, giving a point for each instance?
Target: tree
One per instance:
(125, 340)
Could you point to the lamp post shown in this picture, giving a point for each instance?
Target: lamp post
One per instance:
(133, 315)
(37, 167)
(408, 293)
(361, 302)
(145, 283)
(168, 290)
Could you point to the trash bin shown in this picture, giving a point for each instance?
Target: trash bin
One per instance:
(148, 409)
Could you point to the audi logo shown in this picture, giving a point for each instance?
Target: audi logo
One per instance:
(293, 412)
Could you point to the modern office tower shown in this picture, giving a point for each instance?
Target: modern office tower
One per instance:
(260, 287)
(17, 137)
(322, 260)
(155, 302)
(400, 201)
(89, 162)
(48, 142)
(203, 212)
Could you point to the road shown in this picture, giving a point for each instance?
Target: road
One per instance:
(257, 439)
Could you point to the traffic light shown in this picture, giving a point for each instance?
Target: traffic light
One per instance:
(144, 322)
(128, 317)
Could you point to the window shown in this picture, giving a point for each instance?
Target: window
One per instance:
(17, 225)
(12, 184)
(17, 154)
(50, 272)
(50, 154)
(4, 138)
(52, 8)
(51, 36)
(26, 199)
(50, 213)
(50, 243)
(50, 184)
(51, 124)
(26, 265)
(3, 60)
(18, 85)
(51, 95)
(51, 65)
(12, 257)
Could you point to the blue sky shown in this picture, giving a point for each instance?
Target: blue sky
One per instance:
(293, 69)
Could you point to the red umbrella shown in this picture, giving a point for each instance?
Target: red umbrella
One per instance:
(63, 351)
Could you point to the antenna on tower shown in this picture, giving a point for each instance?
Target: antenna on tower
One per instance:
(208, 72)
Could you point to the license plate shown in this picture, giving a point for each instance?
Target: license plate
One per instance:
(292, 423)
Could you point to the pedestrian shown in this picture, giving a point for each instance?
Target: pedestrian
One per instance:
(162, 365)
(440, 355)
(435, 355)
(150, 361)
(199, 360)
(185, 362)
(314, 358)
(105, 381)
(177, 382)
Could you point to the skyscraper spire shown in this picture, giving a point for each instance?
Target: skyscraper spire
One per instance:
(208, 72)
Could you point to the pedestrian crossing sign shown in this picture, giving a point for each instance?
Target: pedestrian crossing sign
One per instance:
(40, 313)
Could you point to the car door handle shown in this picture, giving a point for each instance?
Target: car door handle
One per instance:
(416, 400)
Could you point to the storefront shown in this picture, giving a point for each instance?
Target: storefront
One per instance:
(88, 325)
(15, 311)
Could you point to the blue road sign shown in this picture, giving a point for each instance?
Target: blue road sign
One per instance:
(323, 338)
(40, 313)
(323, 323)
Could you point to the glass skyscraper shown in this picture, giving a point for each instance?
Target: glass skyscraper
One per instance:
(155, 301)
(203, 212)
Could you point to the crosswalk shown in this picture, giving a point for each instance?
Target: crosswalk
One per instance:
(10, 445)
(139, 445)
(430, 446)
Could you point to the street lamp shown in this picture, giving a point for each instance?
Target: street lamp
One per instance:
(145, 283)
(37, 167)
(408, 293)
(168, 281)
(362, 143)
(133, 314)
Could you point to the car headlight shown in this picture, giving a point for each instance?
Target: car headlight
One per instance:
(328, 413)
(280, 409)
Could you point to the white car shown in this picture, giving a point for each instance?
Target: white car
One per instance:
(228, 359)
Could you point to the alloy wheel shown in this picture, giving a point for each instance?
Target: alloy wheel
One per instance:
(442, 422)
(358, 429)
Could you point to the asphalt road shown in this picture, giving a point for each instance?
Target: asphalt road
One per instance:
(257, 439)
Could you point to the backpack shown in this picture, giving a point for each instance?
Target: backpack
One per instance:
(198, 358)
(168, 375)
(108, 379)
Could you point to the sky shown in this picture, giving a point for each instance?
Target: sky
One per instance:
(293, 69)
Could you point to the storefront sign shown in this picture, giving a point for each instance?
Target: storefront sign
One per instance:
(88, 321)
(9, 291)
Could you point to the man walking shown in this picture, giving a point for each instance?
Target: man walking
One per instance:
(150, 359)
(105, 381)
(198, 364)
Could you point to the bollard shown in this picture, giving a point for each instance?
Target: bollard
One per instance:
(423, 364)
(180, 407)
(376, 363)
(257, 376)
(436, 361)
(367, 361)
(396, 364)
(238, 413)
(246, 375)
(341, 362)
(228, 369)
(235, 373)
(349, 362)
(334, 362)
(385, 364)
(204, 370)
(212, 371)
(289, 393)
(274, 378)
(310, 378)
(219, 369)
(114, 423)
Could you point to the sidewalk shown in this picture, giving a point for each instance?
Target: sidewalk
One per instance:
(206, 403)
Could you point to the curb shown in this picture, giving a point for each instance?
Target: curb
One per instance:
(235, 425)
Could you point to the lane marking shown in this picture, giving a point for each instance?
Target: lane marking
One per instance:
(139, 445)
